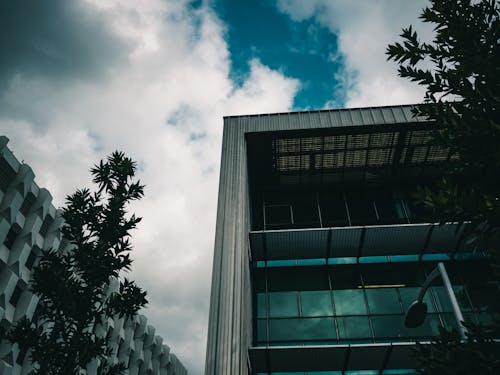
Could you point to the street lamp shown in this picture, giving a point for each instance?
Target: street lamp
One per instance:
(418, 309)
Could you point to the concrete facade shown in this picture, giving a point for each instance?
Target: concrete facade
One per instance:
(30, 223)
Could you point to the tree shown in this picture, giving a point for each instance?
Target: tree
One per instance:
(460, 69)
(74, 285)
(450, 355)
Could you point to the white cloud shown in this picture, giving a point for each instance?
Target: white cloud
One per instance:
(163, 106)
(364, 29)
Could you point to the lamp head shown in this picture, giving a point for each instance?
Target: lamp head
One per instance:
(415, 315)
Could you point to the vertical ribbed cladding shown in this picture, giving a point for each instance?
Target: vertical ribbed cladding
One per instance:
(230, 320)
(229, 331)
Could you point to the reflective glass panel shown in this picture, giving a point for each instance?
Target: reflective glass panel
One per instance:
(410, 294)
(302, 329)
(283, 304)
(349, 302)
(261, 305)
(389, 326)
(485, 298)
(427, 329)
(261, 330)
(354, 328)
(316, 303)
(443, 300)
(383, 300)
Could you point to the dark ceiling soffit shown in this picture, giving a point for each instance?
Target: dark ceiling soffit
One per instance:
(379, 356)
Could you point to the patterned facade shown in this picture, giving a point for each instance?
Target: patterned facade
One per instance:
(30, 223)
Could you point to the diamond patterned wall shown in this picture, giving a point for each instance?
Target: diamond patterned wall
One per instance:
(29, 223)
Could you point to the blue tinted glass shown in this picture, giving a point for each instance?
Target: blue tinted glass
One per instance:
(261, 305)
(435, 257)
(410, 294)
(404, 258)
(342, 260)
(390, 326)
(281, 263)
(302, 329)
(349, 302)
(283, 304)
(427, 329)
(311, 262)
(261, 330)
(399, 372)
(383, 300)
(443, 300)
(316, 303)
(354, 328)
(485, 298)
(374, 259)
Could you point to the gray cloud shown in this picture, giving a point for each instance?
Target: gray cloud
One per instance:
(163, 107)
(56, 39)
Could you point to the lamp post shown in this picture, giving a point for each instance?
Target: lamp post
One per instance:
(418, 309)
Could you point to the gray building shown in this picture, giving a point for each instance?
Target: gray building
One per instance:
(30, 223)
(320, 247)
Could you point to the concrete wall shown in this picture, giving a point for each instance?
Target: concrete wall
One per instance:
(29, 223)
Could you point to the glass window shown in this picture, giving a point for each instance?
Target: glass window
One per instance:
(443, 300)
(386, 208)
(361, 209)
(356, 327)
(261, 330)
(428, 328)
(410, 294)
(316, 303)
(283, 304)
(389, 326)
(349, 302)
(278, 215)
(383, 300)
(305, 210)
(261, 305)
(302, 329)
(485, 298)
(333, 211)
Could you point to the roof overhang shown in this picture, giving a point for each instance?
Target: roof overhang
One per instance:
(360, 241)
(380, 356)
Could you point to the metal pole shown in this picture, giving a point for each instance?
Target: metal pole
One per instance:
(454, 303)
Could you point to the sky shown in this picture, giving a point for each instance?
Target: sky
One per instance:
(154, 78)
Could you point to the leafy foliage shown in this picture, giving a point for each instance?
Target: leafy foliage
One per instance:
(74, 285)
(460, 69)
(449, 355)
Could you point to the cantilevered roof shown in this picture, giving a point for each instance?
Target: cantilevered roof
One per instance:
(328, 118)
(360, 241)
(341, 145)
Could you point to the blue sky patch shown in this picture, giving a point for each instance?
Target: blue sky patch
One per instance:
(304, 50)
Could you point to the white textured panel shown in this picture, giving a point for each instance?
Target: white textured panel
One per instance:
(134, 342)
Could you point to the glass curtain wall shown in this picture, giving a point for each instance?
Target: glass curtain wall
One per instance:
(360, 303)
(279, 210)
